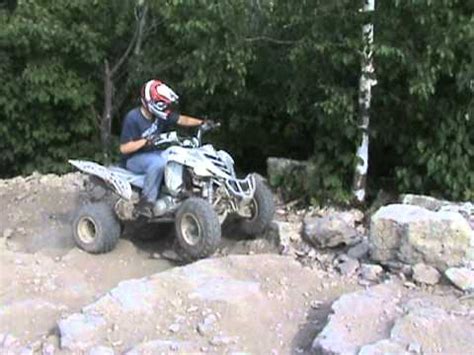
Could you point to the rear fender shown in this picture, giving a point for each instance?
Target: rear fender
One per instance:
(120, 186)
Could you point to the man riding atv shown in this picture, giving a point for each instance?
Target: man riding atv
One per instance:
(190, 183)
(141, 127)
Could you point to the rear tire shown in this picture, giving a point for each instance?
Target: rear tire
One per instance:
(263, 209)
(96, 229)
(198, 230)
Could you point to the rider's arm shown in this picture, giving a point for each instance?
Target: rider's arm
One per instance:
(133, 146)
(189, 121)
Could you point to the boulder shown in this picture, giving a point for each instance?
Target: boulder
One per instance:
(330, 231)
(358, 319)
(427, 202)
(218, 304)
(466, 209)
(413, 234)
(425, 274)
(463, 278)
(432, 330)
(388, 319)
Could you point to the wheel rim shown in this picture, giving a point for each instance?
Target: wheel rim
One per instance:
(87, 230)
(251, 211)
(191, 229)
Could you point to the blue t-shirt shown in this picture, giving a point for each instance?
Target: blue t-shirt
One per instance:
(136, 124)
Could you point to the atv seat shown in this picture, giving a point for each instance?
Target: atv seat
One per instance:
(137, 180)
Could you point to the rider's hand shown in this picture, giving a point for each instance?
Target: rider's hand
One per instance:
(150, 140)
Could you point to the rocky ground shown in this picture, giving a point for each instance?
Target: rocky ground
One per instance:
(318, 282)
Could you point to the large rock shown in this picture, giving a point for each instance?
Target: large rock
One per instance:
(433, 330)
(428, 202)
(389, 319)
(331, 231)
(413, 234)
(466, 209)
(358, 319)
(218, 305)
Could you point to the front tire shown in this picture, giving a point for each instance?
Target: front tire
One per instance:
(96, 229)
(198, 230)
(262, 209)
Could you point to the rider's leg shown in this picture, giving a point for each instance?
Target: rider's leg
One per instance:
(152, 164)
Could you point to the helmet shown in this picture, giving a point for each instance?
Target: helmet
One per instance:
(157, 97)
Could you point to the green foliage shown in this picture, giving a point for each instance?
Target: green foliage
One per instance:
(282, 76)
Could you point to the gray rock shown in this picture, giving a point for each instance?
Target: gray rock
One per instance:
(427, 202)
(330, 231)
(285, 236)
(359, 251)
(413, 234)
(466, 209)
(463, 278)
(207, 325)
(386, 319)
(371, 272)
(81, 331)
(425, 274)
(433, 330)
(237, 286)
(346, 265)
(358, 319)
(383, 347)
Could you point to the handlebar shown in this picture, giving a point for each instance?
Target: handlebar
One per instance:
(172, 138)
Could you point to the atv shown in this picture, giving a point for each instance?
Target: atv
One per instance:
(200, 191)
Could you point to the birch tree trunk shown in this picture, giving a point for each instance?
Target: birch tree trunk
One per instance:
(367, 80)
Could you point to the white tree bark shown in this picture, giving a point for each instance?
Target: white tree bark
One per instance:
(367, 80)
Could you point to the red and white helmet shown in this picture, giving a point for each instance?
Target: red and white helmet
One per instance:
(157, 97)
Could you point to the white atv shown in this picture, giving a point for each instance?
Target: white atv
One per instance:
(200, 191)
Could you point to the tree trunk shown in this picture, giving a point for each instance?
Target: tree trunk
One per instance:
(106, 119)
(367, 80)
(142, 11)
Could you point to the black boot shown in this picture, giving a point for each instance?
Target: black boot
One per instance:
(144, 208)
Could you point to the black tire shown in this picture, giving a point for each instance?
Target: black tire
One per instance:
(96, 229)
(197, 213)
(263, 209)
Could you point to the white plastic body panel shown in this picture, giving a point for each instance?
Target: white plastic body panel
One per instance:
(121, 186)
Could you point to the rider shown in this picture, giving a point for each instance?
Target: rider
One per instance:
(141, 126)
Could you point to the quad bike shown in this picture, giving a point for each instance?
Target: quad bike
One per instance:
(200, 191)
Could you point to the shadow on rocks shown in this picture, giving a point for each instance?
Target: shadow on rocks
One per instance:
(150, 238)
(315, 322)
